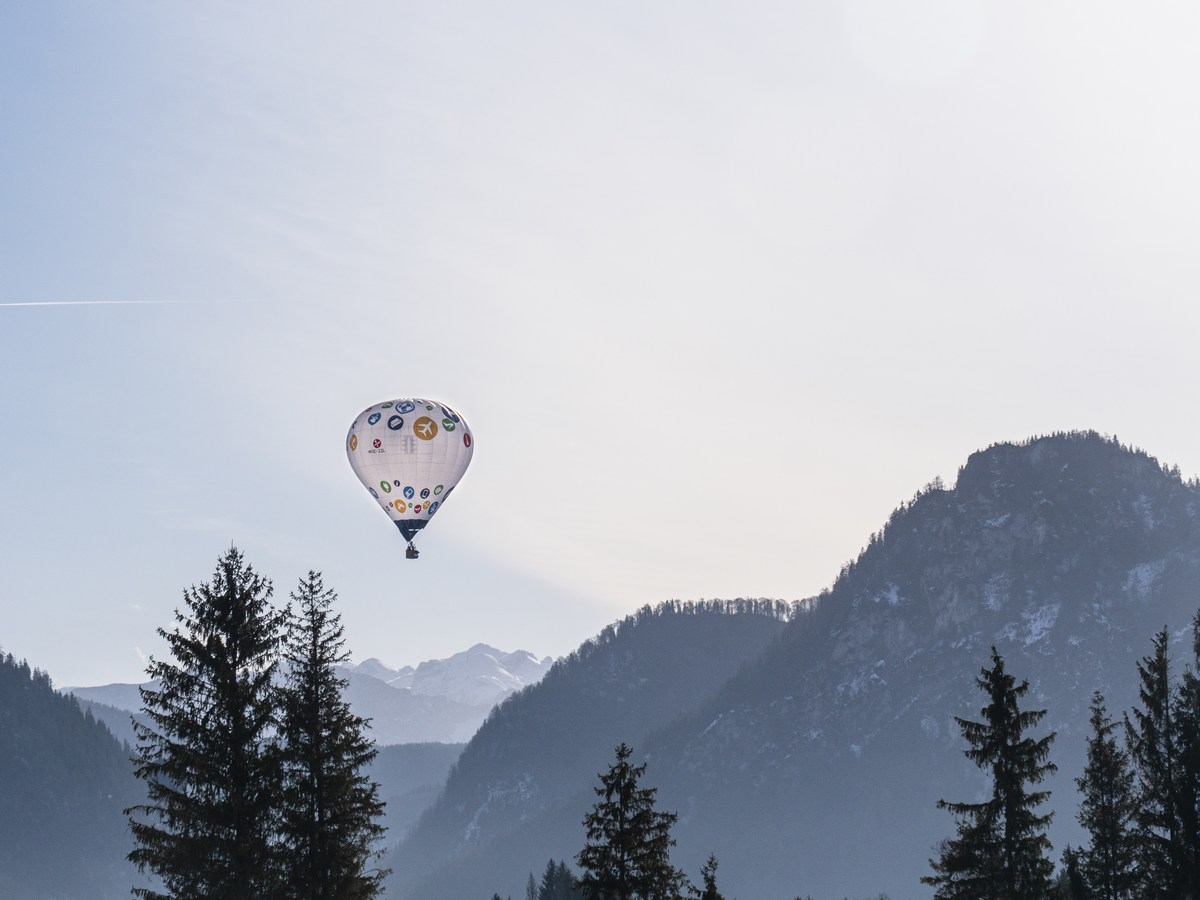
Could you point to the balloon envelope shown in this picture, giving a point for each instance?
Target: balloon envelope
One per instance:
(409, 454)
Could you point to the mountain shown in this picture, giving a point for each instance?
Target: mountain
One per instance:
(480, 676)
(549, 741)
(119, 695)
(400, 716)
(815, 767)
(440, 700)
(410, 777)
(64, 783)
(118, 721)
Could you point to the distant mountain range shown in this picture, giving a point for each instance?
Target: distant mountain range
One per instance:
(809, 755)
(440, 700)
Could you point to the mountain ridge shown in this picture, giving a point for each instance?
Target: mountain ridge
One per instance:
(439, 700)
(817, 766)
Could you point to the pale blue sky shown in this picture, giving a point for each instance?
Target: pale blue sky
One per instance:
(717, 287)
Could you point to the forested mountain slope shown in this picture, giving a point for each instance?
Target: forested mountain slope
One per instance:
(816, 767)
(64, 781)
(551, 739)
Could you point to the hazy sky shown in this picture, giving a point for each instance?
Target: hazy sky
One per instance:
(716, 285)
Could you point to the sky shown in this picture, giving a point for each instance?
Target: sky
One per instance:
(717, 287)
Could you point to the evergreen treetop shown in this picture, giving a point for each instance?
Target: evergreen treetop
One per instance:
(209, 756)
(1151, 739)
(1107, 811)
(1001, 851)
(330, 830)
(627, 853)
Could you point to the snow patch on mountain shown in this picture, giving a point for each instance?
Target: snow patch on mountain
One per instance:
(1141, 578)
(995, 592)
(891, 596)
(1038, 622)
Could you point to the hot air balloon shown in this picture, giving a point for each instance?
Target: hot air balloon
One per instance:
(409, 454)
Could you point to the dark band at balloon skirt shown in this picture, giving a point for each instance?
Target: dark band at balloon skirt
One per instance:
(410, 527)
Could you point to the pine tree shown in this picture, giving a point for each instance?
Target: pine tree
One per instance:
(208, 755)
(1107, 811)
(531, 888)
(1071, 884)
(1001, 851)
(564, 882)
(330, 829)
(708, 878)
(1187, 717)
(628, 841)
(1151, 739)
(548, 888)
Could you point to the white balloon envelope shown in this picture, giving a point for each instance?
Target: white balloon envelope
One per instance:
(409, 454)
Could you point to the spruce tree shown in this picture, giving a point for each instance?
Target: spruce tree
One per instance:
(565, 882)
(531, 888)
(208, 755)
(1107, 811)
(1187, 717)
(1151, 738)
(557, 882)
(330, 830)
(627, 853)
(708, 880)
(1001, 851)
(548, 888)
(1071, 884)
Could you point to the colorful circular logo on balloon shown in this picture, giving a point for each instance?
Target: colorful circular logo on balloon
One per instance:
(396, 482)
(437, 490)
(448, 424)
(417, 508)
(466, 439)
(433, 507)
(387, 405)
(449, 413)
(373, 418)
(405, 406)
(395, 423)
(354, 442)
(425, 428)
(424, 493)
(373, 493)
(387, 488)
(409, 492)
(401, 506)
(377, 443)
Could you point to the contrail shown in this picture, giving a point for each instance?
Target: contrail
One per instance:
(94, 302)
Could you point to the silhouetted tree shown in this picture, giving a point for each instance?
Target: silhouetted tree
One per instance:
(557, 882)
(708, 880)
(330, 827)
(627, 853)
(565, 882)
(1151, 738)
(1187, 717)
(1001, 851)
(1107, 811)
(1070, 884)
(209, 756)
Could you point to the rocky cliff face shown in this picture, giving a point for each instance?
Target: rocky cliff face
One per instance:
(816, 768)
